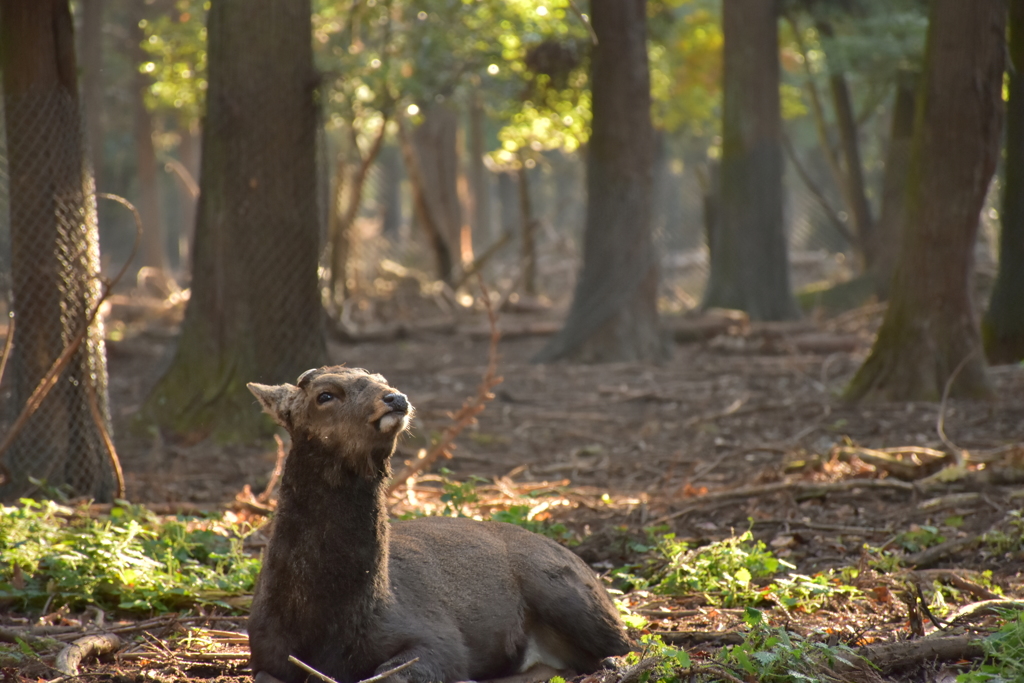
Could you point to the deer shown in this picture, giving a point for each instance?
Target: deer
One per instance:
(352, 594)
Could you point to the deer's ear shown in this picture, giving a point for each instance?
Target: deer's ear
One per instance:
(276, 400)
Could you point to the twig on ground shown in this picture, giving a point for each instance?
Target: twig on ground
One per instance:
(985, 608)
(72, 655)
(907, 471)
(633, 673)
(471, 407)
(373, 679)
(940, 422)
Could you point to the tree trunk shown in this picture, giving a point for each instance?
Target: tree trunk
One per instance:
(479, 175)
(186, 173)
(528, 230)
(54, 255)
(346, 201)
(614, 313)
(391, 191)
(425, 216)
(153, 251)
(930, 329)
(1003, 325)
(92, 83)
(853, 173)
(255, 312)
(749, 261)
(894, 187)
(435, 142)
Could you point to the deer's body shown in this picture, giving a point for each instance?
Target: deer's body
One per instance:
(351, 595)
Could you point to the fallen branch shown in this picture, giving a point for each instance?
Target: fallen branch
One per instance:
(955, 579)
(907, 471)
(888, 657)
(466, 415)
(89, 646)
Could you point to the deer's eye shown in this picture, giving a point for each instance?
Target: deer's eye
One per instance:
(324, 397)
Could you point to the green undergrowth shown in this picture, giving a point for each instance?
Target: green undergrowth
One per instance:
(52, 556)
(735, 572)
(1004, 654)
(768, 654)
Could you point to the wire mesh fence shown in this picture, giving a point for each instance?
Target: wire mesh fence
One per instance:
(50, 276)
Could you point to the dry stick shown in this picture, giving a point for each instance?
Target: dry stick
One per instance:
(52, 375)
(72, 655)
(108, 443)
(471, 407)
(585, 19)
(276, 474)
(373, 679)
(940, 423)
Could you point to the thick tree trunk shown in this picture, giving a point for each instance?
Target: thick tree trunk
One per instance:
(153, 250)
(54, 255)
(1003, 325)
(930, 329)
(749, 261)
(255, 309)
(888, 230)
(614, 313)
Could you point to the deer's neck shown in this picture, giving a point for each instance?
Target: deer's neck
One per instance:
(330, 539)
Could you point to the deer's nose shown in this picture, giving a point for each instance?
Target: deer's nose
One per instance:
(397, 402)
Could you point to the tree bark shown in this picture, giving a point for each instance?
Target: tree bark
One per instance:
(425, 216)
(749, 262)
(614, 313)
(1003, 325)
(254, 313)
(930, 329)
(390, 198)
(54, 255)
(527, 244)
(153, 250)
(435, 143)
(853, 173)
(479, 175)
(894, 187)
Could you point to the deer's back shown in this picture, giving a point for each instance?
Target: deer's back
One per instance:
(507, 592)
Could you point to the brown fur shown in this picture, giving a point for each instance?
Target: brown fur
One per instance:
(350, 594)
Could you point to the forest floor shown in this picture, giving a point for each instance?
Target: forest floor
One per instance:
(741, 430)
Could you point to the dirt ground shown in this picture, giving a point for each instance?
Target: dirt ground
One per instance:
(738, 430)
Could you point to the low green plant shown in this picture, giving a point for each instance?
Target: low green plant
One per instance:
(917, 539)
(724, 571)
(1009, 538)
(1004, 654)
(520, 516)
(457, 495)
(128, 561)
(774, 655)
(672, 663)
(810, 593)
